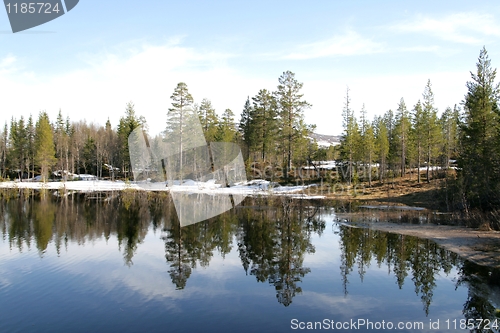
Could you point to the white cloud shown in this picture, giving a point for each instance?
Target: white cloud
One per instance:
(101, 86)
(467, 28)
(8, 64)
(350, 43)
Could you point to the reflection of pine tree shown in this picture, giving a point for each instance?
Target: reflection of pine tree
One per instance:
(20, 213)
(348, 249)
(401, 253)
(259, 238)
(207, 241)
(424, 267)
(272, 243)
(133, 223)
(291, 244)
(224, 233)
(400, 259)
(44, 219)
(177, 255)
(199, 242)
(478, 306)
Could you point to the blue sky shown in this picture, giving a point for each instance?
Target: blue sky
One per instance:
(93, 60)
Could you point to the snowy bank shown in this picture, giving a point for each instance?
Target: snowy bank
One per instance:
(254, 187)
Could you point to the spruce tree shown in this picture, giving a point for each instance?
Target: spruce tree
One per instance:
(126, 125)
(19, 147)
(244, 127)
(480, 141)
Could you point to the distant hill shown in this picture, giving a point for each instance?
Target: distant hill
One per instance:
(324, 140)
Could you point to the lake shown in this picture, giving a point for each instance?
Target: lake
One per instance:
(120, 262)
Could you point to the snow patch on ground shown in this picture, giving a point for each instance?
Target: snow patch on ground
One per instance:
(253, 187)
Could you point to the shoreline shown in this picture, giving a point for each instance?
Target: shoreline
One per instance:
(250, 188)
(478, 246)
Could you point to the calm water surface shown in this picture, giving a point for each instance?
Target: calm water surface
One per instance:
(123, 264)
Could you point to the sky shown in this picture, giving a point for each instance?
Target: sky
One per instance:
(92, 61)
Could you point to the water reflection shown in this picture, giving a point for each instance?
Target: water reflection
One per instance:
(272, 244)
(271, 237)
(403, 255)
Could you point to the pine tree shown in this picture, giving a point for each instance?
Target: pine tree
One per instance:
(44, 143)
(179, 119)
(382, 145)
(418, 134)
(244, 127)
(291, 113)
(480, 141)
(449, 127)
(350, 138)
(127, 124)
(367, 145)
(31, 134)
(110, 148)
(226, 130)
(208, 120)
(4, 141)
(393, 156)
(263, 123)
(431, 127)
(62, 145)
(402, 130)
(19, 153)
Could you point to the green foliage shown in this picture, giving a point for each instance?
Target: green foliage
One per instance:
(263, 124)
(479, 159)
(44, 143)
(291, 108)
(382, 145)
(226, 131)
(244, 127)
(350, 139)
(127, 124)
(208, 120)
(401, 136)
(431, 130)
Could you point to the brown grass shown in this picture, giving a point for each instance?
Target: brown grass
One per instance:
(400, 191)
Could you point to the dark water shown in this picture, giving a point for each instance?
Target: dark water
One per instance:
(123, 264)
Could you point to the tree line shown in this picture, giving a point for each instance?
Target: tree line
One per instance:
(398, 142)
(465, 138)
(271, 130)
(273, 135)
